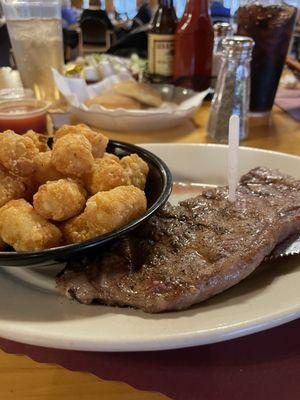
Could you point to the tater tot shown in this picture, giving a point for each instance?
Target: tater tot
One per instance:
(59, 200)
(39, 140)
(31, 188)
(11, 187)
(72, 155)
(107, 211)
(24, 229)
(136, 169)
(106, 174)
(64, 130)
(76, 230)
(17, 153)
(45, 170)
(98, 142)
(97, 139)
(111, 156)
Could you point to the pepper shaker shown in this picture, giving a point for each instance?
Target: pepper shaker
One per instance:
(233, 88)
(221, 31)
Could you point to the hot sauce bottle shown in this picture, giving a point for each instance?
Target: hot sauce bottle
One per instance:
(161, 43)
(194, 40)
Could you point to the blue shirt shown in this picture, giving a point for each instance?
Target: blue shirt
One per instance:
(69, 15)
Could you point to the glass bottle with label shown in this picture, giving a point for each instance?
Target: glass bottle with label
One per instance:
(194, 41)
(161, 43)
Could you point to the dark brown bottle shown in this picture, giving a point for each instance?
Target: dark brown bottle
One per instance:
(161, 40)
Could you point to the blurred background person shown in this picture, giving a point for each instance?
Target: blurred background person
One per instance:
(218, 12)
(96, 12)
(70, 16)
(68, 13)
(5, 46)
(134, 39)
(144, 14)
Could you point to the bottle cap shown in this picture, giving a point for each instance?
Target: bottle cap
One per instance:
(222, 29)
(237, 45)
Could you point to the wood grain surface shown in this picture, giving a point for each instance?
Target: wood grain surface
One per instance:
(24, 379)
(280, 132)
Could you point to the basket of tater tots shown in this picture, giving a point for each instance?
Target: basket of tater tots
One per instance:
(76, 194)
(120, 103)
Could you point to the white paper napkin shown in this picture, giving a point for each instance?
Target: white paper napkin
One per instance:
(76, 91)
(168, 115)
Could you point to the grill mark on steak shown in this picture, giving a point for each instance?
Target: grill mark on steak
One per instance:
(192, 251)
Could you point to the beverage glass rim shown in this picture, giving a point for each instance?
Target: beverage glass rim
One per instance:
(262, 3)
(30, 2)
(27, 9)
(40, 107)
(16, 94)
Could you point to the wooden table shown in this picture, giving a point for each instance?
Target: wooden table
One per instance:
(24, 379)
(280, 133)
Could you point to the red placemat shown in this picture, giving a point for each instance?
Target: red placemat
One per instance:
(262, 366)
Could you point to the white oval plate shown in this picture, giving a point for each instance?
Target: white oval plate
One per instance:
(32, 312)
(127, 121)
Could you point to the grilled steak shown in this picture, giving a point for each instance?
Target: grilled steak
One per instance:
(190, 252)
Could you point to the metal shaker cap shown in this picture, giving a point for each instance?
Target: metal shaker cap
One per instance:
(237, 45)
(222, 29)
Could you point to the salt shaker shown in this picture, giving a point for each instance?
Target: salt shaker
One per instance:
(221, 31)
(232, 89)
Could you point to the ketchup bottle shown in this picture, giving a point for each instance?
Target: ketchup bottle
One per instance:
(194, 40)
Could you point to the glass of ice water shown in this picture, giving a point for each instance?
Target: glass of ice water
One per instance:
(35, 32)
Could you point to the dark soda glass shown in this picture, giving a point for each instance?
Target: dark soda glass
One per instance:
(271, 27)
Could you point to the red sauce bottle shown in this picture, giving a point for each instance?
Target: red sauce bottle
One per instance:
(194, 47)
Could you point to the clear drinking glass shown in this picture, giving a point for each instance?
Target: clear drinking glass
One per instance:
(35, 32)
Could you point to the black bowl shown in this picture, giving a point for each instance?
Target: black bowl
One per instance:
(158, 190)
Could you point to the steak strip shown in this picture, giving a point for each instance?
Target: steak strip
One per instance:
(190, 252)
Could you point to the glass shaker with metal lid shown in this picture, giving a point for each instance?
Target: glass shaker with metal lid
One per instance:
(232, 89)
(221, 31)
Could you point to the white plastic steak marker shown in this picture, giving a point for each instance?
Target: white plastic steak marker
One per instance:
(233, 156)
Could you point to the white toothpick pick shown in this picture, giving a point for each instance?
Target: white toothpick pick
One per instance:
(233, 157)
